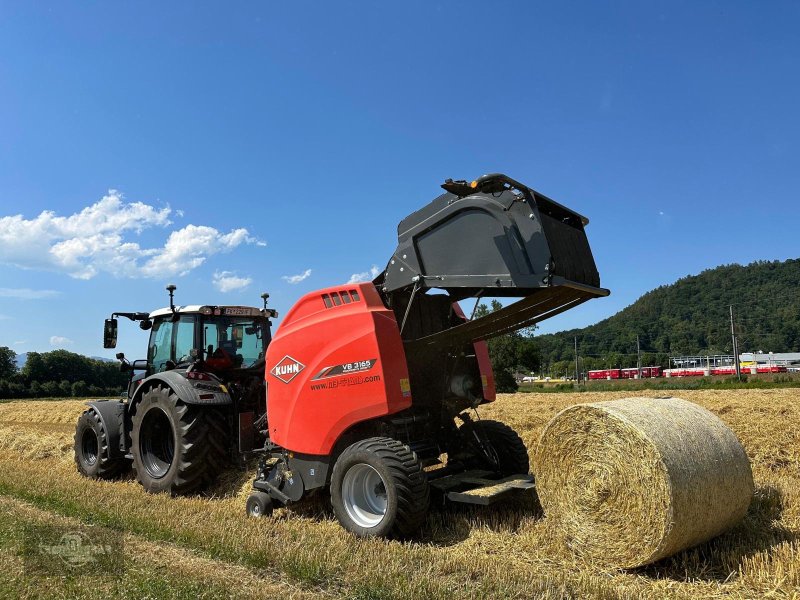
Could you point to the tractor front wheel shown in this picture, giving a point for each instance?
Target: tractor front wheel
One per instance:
(177, 448)
(378, 489)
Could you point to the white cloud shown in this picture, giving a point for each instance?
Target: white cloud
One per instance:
(27, 293)
(57, 340)
(20, 342)
(225, 281)
(4, 317)
(94, 240)
(293, 279)
(365, 276)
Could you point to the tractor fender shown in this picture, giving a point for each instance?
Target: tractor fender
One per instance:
(112, 415)
(208, 393)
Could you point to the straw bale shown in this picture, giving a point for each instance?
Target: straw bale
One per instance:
(631, 481)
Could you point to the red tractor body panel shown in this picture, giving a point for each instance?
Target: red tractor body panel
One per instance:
(336, 360)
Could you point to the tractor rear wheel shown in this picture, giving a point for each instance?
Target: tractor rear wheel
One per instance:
(177, 447)
(92, 454)
(506, 446)
(378, 489)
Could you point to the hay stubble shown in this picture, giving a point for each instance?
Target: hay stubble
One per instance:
(507, 551)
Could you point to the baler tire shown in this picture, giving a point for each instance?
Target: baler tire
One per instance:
(404, 483)
(92, 454)
(507, 444)
(194, 456)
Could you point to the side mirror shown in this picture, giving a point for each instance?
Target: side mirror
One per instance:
(110, 333)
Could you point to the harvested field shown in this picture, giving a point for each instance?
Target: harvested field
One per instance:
(510, 551)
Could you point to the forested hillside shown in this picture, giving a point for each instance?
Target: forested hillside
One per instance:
(691, 316)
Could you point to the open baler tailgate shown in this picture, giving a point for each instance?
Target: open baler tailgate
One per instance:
(494, 237)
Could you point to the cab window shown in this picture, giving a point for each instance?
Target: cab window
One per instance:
(160, 349)
(184, 338)
(242, 340)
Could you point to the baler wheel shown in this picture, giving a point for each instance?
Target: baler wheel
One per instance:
(177, 447)
(92, 455)
(378, 489)
(259, 504)
(512, 455)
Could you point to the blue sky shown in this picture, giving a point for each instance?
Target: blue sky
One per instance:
(252, 144)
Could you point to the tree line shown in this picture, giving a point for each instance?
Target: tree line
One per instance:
(58, 374)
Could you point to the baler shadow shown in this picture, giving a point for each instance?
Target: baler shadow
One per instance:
(719, 560)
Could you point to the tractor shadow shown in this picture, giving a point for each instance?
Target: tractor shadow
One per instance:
(720, 559)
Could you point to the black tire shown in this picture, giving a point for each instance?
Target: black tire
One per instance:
(177, 447)
(398, 484)
(512, 455)
(259, 504)
(92, 456)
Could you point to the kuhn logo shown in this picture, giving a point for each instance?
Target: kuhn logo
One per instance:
(287, 369)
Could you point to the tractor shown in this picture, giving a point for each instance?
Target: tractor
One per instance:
(194, 396)
(369, 391)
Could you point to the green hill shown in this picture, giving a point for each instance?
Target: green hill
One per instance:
(691, 316)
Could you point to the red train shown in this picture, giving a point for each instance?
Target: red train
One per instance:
(647, 372)
(650, 372)
(730, 370)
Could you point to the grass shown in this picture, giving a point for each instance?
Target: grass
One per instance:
(509, 551)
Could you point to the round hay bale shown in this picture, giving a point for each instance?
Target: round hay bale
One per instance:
(631, 481)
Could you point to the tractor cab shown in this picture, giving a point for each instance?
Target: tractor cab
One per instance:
(227, 337)
(218, 339)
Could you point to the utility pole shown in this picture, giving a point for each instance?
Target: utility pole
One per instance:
(735, 348)
(577, 374)
(638, 357)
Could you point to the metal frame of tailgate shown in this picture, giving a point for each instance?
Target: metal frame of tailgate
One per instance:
(542, 304)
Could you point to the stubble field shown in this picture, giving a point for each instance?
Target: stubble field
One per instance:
(206, 547)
